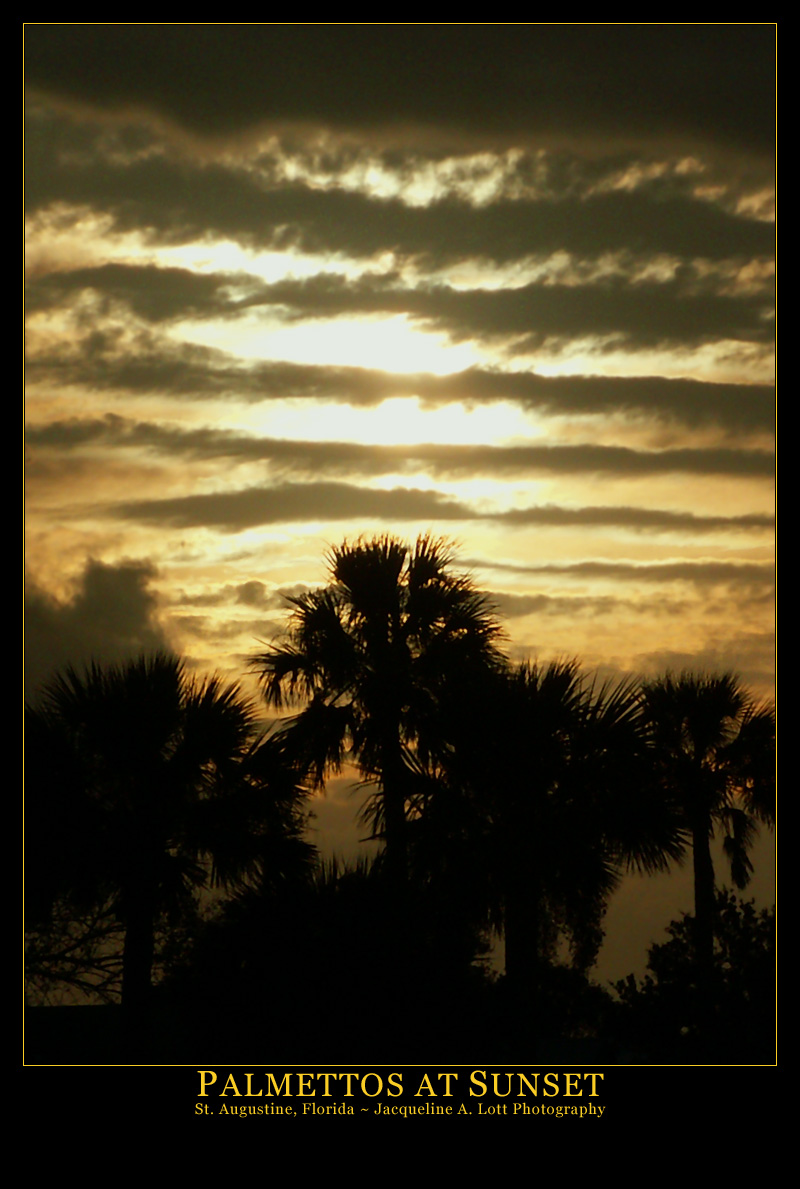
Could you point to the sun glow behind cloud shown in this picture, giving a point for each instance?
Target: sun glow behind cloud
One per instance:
(394, 422)
(177, 280)
(391, 344)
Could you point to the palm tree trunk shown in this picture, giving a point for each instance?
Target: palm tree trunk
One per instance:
(394, 808)
(138, 952)
(523, 960)
(522, 928)
(703, 916)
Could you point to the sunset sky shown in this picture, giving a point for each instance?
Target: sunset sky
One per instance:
(510, 284)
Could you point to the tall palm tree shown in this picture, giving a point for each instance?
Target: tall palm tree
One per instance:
(555, 770)
(715, 751)
(373, 656)
(144, 784)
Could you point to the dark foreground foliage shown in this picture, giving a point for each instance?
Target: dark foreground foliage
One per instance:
(665, 1014)
(167, 864)
(144, 786)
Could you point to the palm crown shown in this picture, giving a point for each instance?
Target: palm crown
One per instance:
(554, 785)
(373, 654)
(715, 753)
(143, 784)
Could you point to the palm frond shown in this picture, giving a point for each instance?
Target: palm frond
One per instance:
(162, 789)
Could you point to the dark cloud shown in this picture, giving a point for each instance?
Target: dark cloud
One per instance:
(498, 81)
(178, 200)
(572, 606)
(635, 518)
(748, 654)
(758, 576)
(449, 231)
(512, 606)
(155, 294)
(234, 511)
(248, 594)
(254, 594)
(312, 458)
(631, 315)
(139, 362)
(693, 403)
(151, 364)
(111, 616)
(644, 315)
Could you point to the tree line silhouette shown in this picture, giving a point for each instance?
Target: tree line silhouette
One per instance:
(508, 798)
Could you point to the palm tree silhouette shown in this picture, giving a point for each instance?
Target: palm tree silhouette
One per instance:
(144, 784)
(715, 752)
(557, 784)
(374, 655)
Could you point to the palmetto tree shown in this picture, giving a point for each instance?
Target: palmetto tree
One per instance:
(144, 784)
(715, 751)
(373, 656)
(556, 778)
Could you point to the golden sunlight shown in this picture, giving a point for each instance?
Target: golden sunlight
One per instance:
(399, 420)
(391, 344)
